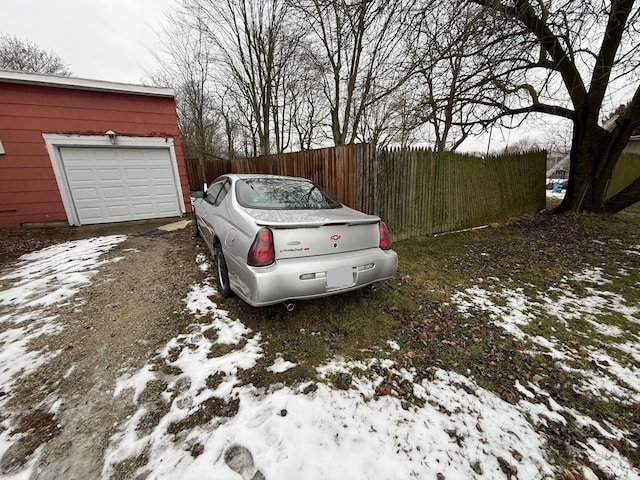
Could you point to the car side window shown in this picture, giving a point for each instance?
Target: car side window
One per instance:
(222, 193)
(213, 192)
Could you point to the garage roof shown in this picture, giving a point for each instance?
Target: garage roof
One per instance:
(11, 76)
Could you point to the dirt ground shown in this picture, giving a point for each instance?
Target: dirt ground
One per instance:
(114, 325)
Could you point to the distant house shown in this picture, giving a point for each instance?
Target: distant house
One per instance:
(555, 165)
(86, 152)
(634, 142)
(557, 169)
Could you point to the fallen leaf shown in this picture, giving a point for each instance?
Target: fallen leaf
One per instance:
(197, 450)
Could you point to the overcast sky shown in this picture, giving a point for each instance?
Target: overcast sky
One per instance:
(113, 40)
(101, 40)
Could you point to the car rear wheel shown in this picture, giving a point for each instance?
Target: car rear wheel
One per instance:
(223, 273)
(196, 230)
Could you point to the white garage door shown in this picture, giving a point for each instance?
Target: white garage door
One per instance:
(119, 184)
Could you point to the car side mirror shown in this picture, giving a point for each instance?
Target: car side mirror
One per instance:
(198, 194)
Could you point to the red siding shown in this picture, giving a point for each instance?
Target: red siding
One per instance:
(28, 189)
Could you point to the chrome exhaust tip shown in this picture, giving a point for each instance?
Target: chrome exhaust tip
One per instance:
(290, 306)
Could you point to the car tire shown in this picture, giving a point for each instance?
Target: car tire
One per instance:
(223, 273)
(196, 230)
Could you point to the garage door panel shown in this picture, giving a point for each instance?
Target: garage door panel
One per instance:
(117, 184)
(117, 211)
(163, 189)
(80, 175)
(103, 156)
(165, 208)
(90, 213)
(112, 174)
(140, 191)
(87, 193)
(157, 163)
(76, 157)
(161, 174)
(133, 174)
(144, 209)
(134, 154)
(113, 193)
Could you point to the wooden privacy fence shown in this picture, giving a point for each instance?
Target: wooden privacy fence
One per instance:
(332, 168)
(204, 171)
(416, 192)
(420, 192)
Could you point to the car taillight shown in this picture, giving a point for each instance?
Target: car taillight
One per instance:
(385, 238)
(262, 252)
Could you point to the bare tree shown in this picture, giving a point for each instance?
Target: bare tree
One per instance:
(557, 137)
(185, 64)
(357, 47)
(522, 145)
(306, 115)
(392, 120)
(569, 59)
(25, 56)
(253, 42)
(450, 87)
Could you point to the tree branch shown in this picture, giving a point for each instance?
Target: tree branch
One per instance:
(626, 197)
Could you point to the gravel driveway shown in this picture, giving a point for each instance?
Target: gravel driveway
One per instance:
(114, 325)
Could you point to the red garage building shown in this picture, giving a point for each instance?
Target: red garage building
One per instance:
(86, 152)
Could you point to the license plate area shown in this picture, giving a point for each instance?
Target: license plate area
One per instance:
(340, 277)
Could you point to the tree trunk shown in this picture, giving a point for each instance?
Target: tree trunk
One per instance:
(586, 189)
(594, 154)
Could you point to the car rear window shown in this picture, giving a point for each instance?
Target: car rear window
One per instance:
(283, 194)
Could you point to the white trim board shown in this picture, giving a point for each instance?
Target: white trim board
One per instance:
(28, 78)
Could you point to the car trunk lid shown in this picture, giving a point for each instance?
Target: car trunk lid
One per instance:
(318, 232)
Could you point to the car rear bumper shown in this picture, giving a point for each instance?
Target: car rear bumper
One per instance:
(299, 279)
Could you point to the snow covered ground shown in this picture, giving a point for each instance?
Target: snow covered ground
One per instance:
(456, 429)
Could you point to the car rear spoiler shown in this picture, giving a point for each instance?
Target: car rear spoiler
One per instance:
(272, 224)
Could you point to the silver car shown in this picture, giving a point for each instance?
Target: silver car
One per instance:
(276, 239)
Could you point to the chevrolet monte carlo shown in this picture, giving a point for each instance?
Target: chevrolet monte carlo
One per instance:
(277, 239)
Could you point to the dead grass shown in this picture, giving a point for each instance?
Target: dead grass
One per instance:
(530, 254)
(350, 325)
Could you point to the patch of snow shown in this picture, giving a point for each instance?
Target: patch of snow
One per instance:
(37, 281)
(331, 434)
(592, 275)
(68, 373)
(203, 262)
(326, 434)
(137, 382)
(558, 195)
(628, 375)
(393, 345)
(281, 365)
(632, 348)
(55, 408)
(592, 310)
(199, 302)
(635, 250)
(611, 463)
(55, 273)
(16, 359)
